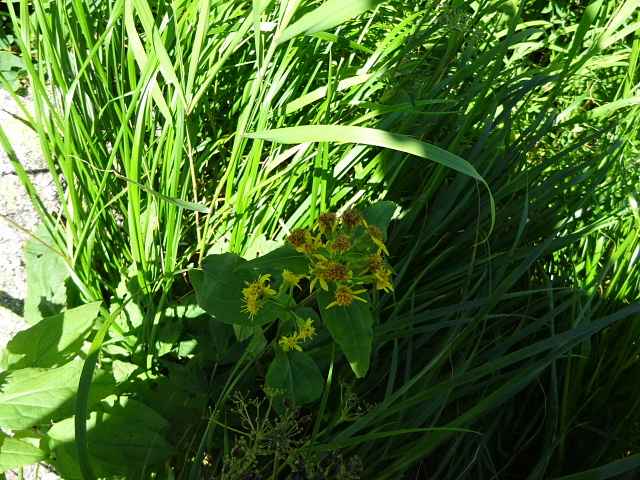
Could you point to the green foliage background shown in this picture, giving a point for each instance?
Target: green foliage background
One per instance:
(505, 132)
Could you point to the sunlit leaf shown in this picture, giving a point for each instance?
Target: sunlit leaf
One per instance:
(328, 15)
(17, 453)
(51, 342)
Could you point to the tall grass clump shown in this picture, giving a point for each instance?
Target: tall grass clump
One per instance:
(509, 330)
(143, 107)
(501, 139)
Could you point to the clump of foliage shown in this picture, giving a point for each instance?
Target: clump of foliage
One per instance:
(39, 383)
(278, 446)
(12, 65)
(200, 142)
(343, 256)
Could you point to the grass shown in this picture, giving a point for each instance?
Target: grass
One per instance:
(510, 336)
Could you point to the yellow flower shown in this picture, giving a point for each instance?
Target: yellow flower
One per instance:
(311, 243)
(257, 289)
(345, 296)
(376, 236)
(290, 343)
(252, 306)
(327, 219)
(296, 237)
(319, 270)
(320, 277)
(308, 330)
(302, 240)
(290, 279)
(374, 263)
(381, 278)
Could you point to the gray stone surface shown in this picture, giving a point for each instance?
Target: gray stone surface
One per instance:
(16, 206)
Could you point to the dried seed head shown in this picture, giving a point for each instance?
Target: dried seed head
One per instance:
(374, 263)
(327, 219)
(335, 469)
(351, 218)
(297, 237)
(338, 273)
(305, 419)
(341, 242)
(326, 461)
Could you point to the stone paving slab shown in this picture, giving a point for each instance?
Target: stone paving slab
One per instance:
(16, 205)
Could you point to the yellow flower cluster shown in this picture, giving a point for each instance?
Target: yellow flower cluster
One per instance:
(289, 279)
(254, 295)
(342, 245)
(292, 342)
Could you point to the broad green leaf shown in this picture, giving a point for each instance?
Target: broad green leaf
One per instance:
(191, 377)
(11, 66)
(124, 437)
(283, 258)
(328, 15)
(219, 288)
(219, 335)
(380, 214)
(46, 276)
(351, 328)
(36, 396)
(297, 374)
(16, 453)
(122, 371)
(51, 342)
(260, 246)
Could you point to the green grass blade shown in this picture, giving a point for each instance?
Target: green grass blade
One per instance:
(368, 136)
(374, 137)
(328, 15)
(607, 471)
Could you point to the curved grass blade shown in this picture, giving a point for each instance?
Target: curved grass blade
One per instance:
(84, 386)
(374, 436)
(326, 16)
(606, 471)
(196, 207)
(375, 137)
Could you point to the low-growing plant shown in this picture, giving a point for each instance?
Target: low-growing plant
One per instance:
(338, 260)
(267, 448)
(12, 65)
(124, 436)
